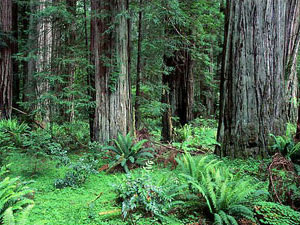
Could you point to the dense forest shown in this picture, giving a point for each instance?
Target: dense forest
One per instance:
(149, 112)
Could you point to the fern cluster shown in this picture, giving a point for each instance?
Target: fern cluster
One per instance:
(191, 138)
(285, 145)
(12, 197)
(275, 214)
(9, 217)
(227, 195)
(127, 151)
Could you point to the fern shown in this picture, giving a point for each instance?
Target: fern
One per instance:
(126, 151)
(12, 194)
(10, 219)
(227, 196)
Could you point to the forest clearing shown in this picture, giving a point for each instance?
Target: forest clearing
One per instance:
(149, 112)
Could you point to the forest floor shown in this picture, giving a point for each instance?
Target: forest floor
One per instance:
(94, 202)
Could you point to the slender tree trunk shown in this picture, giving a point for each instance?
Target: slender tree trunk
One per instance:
(139, 70)
(71, 7)
(90, 73)
(167, 126)
(110, 55)
(43, 62)
(28, 80)
(253, 97)
(15, 49)
(6, 70)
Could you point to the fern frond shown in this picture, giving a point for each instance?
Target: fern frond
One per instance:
(22, 220)
(218, 219)
(8, 217)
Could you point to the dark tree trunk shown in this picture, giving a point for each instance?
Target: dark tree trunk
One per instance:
(110, 55)
(138, 70)
(71, 7)
(181, 85)
(297, 136)
(167, 127)
(90, 73)
(6, 70)
(24, 10)
(182, 88)
(253, 98)
(15, 49)
(28, 80)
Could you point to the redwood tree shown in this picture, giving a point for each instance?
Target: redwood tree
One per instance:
(6, 70)
(253, 97)
(109, 45)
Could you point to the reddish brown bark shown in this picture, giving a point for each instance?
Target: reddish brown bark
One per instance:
(109, 45)
(6, 70)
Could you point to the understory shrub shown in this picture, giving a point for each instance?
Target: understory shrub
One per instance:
(77, 174)
(128, 152)
(38, 144)
(191, 138)
(71, 135)
(140, 195)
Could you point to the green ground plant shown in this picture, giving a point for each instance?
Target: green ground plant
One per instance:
(77, 174)
(228, 196)
(190, 138)
(13, 194)
(9, 218)
(270, 213)
(128, 152)
(140, 195)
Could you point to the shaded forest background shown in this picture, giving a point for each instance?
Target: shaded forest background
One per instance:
(124, 66)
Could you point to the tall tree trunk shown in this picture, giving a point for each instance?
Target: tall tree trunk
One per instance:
(6, 70)
(167, 126)
(292, 39)
(139, 70)
(253, 98)
(110, 54)
(90, 73)
(15, 49)
(43, 62)
(28, 80)
(71, 7)
(181, 85)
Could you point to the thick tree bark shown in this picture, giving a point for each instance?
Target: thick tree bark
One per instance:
(138, 70)
(292, 39)
(253, 96)
(6, 70)
(110, 55)
(43, 63)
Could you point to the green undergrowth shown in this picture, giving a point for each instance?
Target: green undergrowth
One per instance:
(95, 200)
(73, 206)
